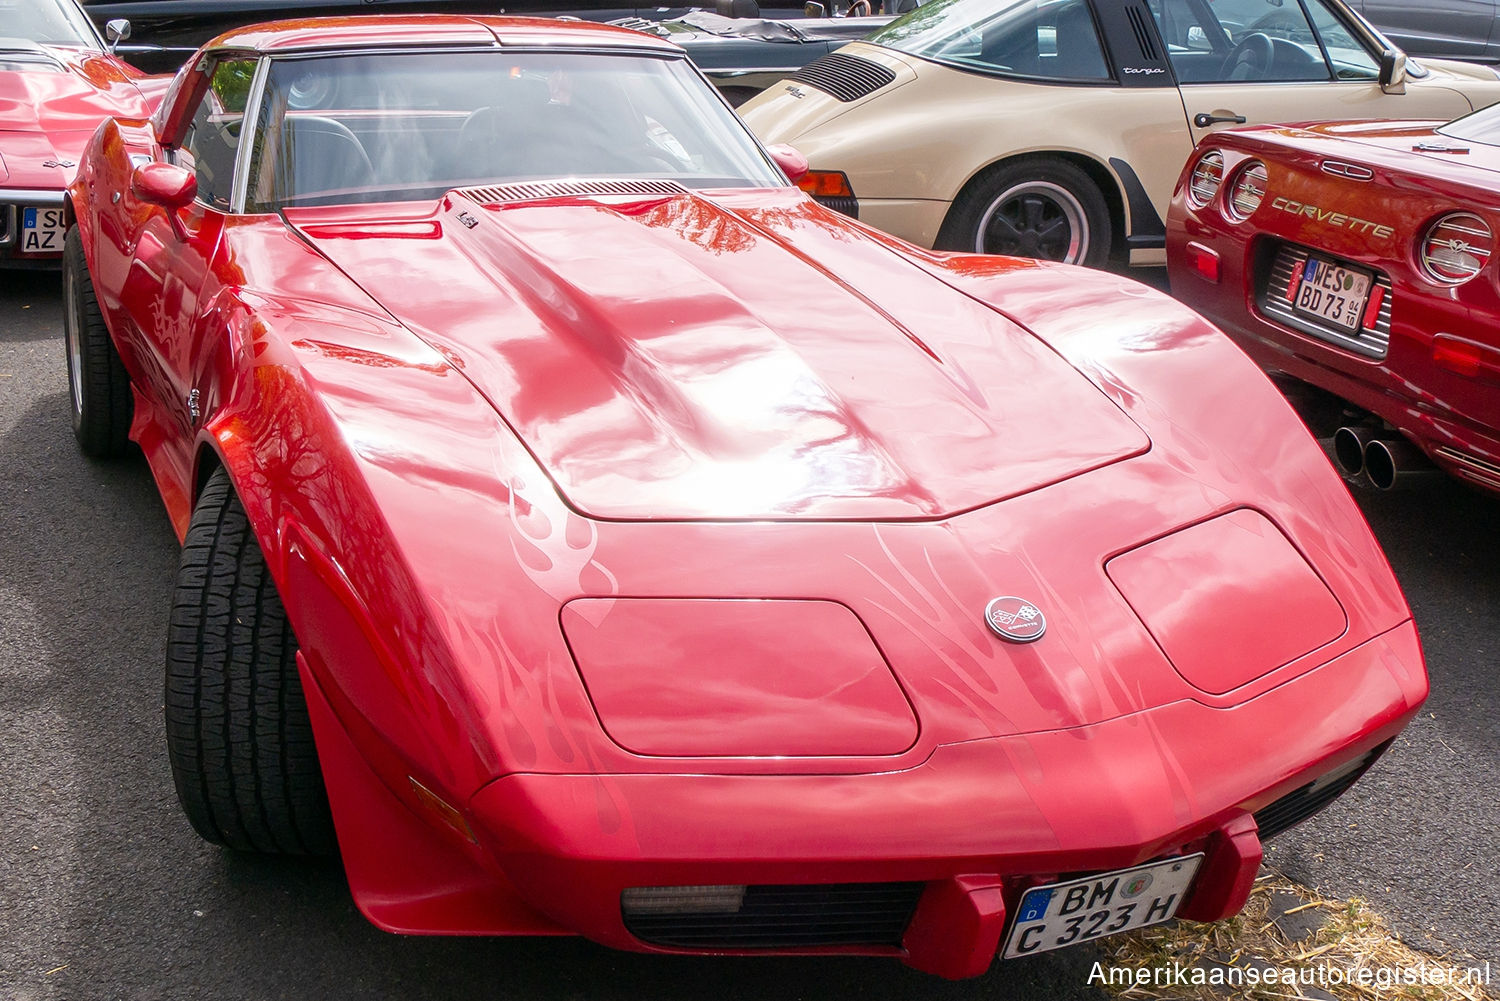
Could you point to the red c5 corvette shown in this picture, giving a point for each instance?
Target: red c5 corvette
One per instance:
(1355, 257)
(633, 547)
(57, 82)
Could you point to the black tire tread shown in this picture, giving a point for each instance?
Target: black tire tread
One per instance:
(102, 424)
(957, 231)
(238, 733)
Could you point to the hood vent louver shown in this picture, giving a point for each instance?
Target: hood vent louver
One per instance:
(531, 191)
(847, 78)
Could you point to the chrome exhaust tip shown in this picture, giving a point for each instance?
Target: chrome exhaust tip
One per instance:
(1395, 463)
(1349, 444)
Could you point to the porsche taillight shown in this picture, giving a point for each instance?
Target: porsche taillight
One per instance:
(1456, 248)
(1208, 174)
(1247, 191)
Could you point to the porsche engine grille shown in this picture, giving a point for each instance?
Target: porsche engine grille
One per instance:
(1276, 273)
(847, 78)
(531, 191)
(1301, 803)
(787, 917)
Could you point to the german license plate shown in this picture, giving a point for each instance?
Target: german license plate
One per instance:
(42, 230)
(1061, 914)
(1332, 293)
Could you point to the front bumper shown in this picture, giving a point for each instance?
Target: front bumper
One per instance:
(977, 823)
(13, 254)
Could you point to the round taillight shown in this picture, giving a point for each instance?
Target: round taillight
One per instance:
(1456, 248)
(1208, 174)
(1247, 191)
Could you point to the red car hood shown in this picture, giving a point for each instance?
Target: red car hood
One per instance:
(674, 357)
(50, 108)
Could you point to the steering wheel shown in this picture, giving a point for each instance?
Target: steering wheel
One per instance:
(1250, 59)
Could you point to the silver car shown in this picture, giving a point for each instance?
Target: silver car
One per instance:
(1448, 29)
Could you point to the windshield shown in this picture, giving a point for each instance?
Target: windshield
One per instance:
(1483, 127)
(389, 127)
(1042, 39)
(51, 22)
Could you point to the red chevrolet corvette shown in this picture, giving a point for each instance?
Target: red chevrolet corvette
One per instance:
(1354, 257)
(632, 547)
(57, 83)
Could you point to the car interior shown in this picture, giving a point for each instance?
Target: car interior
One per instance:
(331, 133)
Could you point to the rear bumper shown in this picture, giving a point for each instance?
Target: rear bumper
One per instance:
(977, 823)
(1401, 389)
(915, 220)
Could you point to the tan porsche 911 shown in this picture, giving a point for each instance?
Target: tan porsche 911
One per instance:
(1057, 128)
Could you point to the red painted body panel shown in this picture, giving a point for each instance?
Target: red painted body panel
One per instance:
(1445, 412)
(1180, 584)
(47, 116)
(707, 398)
(448, 442)
(788, 678)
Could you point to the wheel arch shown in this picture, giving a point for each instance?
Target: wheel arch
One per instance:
(1104, 179)
(206, 461)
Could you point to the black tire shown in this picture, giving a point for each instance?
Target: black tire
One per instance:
(1037, 207)
(98, 387)
(238, 733)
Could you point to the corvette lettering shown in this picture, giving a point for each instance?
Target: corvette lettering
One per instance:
(1339, 219)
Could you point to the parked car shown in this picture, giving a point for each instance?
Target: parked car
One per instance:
(1355, 257)
(627, 545)
(175, 28)
(744, 55)
(58, 81)
(1057, 128)
(1448, 29)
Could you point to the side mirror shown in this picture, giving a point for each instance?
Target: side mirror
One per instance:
(792, 163)
(168, 185)
(116, 31)
(1393, 71)
(165, 184)
(814, 9)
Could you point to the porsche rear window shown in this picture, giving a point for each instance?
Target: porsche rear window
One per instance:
(1483, 127)
(392, 127)
(1039, 39)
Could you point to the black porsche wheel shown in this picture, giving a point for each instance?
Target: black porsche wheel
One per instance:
(98, 387)
(238, 733)
(1044, 207)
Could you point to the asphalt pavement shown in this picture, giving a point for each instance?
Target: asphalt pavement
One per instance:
(106, 893)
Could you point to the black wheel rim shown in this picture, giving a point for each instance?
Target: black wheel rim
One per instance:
(1035, 219)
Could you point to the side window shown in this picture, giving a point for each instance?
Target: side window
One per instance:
(1351, 61)
(1248, 41)
(1041, 39)
(213, 138)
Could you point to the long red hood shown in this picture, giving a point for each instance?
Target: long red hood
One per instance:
(675, 357)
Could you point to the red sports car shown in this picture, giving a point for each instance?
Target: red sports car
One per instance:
(632, 547)
(1354, 257)
(57, 83)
